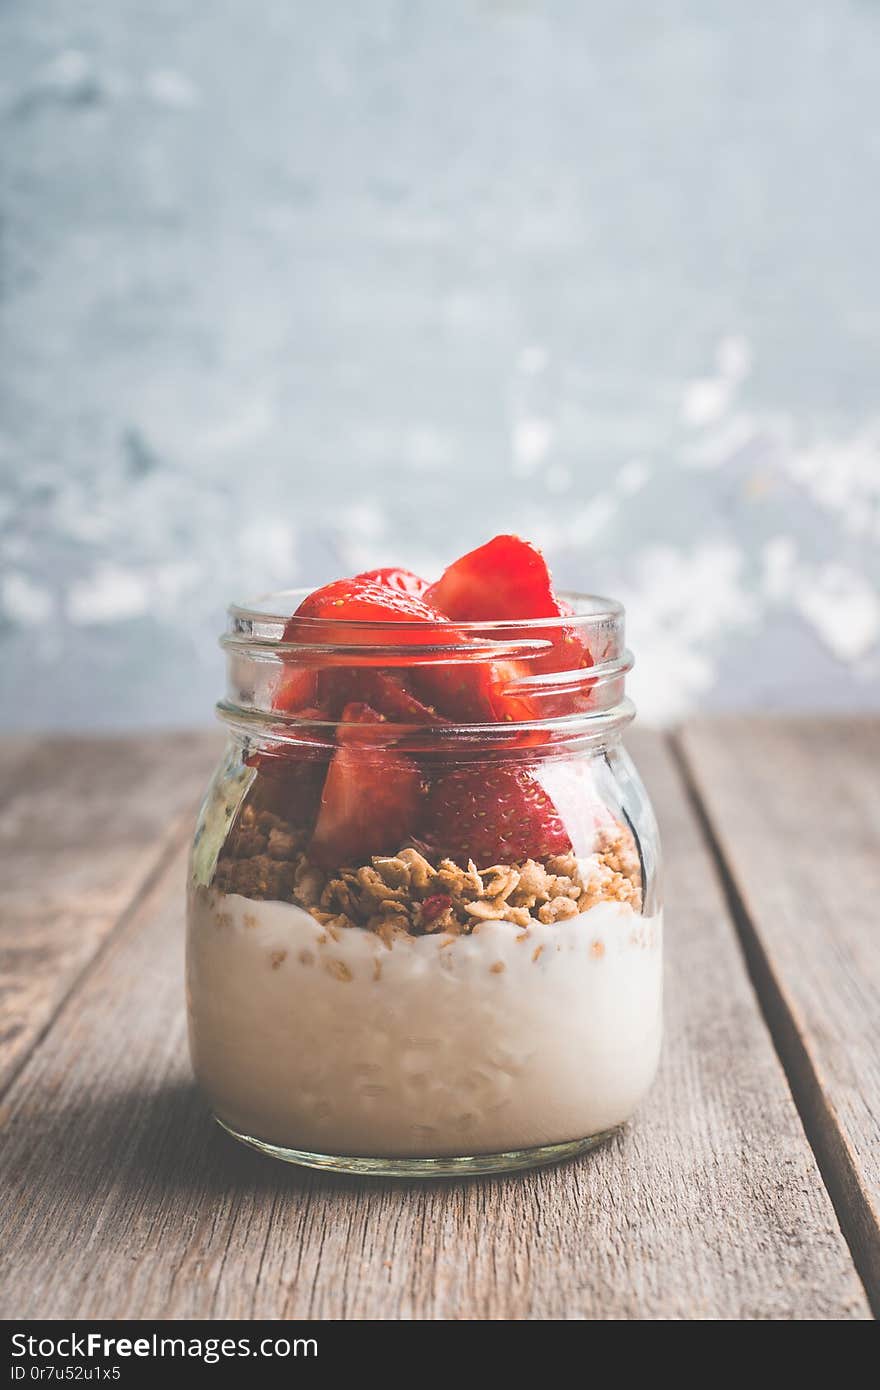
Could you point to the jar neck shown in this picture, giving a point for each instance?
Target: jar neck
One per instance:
(535, 741)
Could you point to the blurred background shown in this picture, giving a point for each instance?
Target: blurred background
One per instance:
(292, 288)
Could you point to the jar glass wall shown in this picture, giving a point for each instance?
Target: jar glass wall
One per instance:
(425, 947)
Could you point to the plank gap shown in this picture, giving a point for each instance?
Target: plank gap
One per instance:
(854, 1213)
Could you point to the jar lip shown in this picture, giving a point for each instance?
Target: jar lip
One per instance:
(590, 610)
(256, 640)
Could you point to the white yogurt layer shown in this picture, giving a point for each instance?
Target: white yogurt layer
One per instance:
(504, 1039)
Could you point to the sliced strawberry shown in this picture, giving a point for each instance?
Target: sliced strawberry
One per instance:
(405, 580)
(568, 653)
(363, 601)
(290, 787)
(289, 737)
(290, 775)
(492, 814)
(458, 690)
(581, 794)
(371, 798)
(396, 702)
(295, 689)
(385, 691)
(429, 692)
(462, 690)
(503, 580)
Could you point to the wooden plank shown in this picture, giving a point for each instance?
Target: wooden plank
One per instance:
(125, 1201)
(795, 811)
(14, 753)
(83, 824)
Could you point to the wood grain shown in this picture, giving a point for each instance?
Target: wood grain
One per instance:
(795, 812)
(124, 1200)
(83, 824)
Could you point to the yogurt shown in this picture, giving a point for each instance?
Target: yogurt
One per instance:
(505, 1039)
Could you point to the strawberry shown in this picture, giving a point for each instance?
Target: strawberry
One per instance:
(360, 601)
(291, 774)
(295, 689)
(569, 653)
(463, 691)
(283, 749)
(493, 814)
(503, 580)
(371, 799)
(404, 580)
(398, 703)
(459, 691)
(581, 799)
(287, 784)
(385, 691)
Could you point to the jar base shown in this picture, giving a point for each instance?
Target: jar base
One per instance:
(448, 1167)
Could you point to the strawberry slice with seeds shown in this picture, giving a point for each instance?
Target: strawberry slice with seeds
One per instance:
(372, 795)
(395, 578)
(363, 600)
(493, 815)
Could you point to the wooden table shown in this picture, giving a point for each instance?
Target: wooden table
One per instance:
(747, 1188)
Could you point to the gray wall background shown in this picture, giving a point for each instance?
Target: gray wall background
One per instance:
(293, 288)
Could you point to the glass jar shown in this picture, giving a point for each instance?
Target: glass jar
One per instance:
(417, 946)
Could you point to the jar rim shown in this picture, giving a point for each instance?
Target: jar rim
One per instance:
(255, 640)
(269, 609)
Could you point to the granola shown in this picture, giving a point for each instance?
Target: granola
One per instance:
(265, 857)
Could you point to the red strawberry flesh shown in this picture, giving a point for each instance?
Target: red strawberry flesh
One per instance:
(371, 799)
(505, 579)
(295, 689)
(385, 691)
(434, 906)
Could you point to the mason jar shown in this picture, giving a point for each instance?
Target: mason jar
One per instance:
(416, 945)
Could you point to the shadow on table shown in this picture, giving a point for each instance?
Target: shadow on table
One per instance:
(160, 1143)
